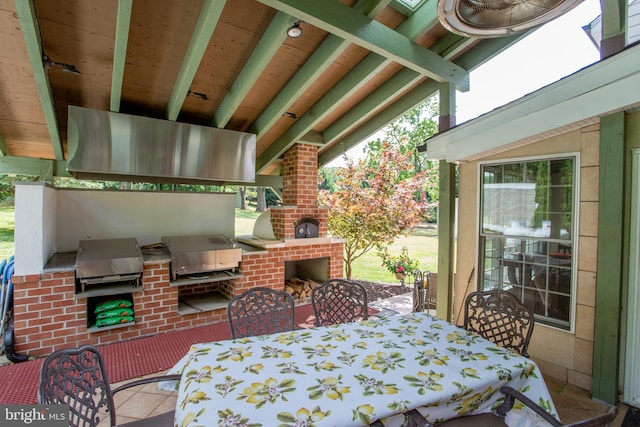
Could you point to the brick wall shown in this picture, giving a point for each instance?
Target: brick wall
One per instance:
(47, 315)
(299, 193)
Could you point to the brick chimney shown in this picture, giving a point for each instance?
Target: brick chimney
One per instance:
(299, 193)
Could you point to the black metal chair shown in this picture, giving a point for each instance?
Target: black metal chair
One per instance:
(424, 292)
(511, 395)
(500, 317)
(78, 378)
(260, 311)
(339, 301)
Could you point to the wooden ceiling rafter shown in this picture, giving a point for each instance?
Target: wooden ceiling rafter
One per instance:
(31, 33)
(471, 59)
(206, 24)
(264, 52)
(411, 28)
(330, 49)
(337, 18)
(424, 19)
(123, 23)
(359, 65)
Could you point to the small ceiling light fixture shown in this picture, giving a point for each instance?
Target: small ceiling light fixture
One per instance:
(67, 68)
(294, 31)
(199, 95)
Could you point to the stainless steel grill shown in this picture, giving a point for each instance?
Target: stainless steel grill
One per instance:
(196, 255)
(105, 261)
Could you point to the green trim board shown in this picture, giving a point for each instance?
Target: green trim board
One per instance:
(609, 276)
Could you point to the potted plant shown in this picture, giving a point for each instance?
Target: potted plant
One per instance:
(400, 265)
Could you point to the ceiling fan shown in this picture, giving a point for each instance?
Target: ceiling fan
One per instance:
(497, 18)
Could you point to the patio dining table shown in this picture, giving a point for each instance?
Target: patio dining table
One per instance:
(351, 375)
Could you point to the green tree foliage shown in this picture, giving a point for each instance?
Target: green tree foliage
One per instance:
(327, 179)
(374, 202)
(408, 132)
(7, 189)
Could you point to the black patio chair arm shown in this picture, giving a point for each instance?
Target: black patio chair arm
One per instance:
(171, 377)
(512, 394)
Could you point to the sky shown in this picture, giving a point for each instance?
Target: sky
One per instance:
(557, 49)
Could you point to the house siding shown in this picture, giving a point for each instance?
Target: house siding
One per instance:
(563, 355)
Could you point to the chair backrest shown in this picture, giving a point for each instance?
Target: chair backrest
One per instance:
(260, 311)
(500, 317)
(78, 378)
(339, 301)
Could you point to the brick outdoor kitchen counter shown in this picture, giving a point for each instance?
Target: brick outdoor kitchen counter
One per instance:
(49, 314)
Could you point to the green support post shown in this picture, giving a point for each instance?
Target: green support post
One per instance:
(609, 277)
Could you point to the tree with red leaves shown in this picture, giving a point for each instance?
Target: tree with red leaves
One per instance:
(375, 201)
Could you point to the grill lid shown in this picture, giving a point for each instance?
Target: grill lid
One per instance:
(108, 258)
(202, 254)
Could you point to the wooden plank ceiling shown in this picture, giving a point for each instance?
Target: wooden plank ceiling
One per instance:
(357, 66)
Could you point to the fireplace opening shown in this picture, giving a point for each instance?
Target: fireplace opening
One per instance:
(302, 276)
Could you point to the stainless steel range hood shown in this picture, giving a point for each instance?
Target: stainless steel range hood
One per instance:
(120, 147)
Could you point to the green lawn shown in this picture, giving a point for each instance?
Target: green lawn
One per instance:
(422, 245)
(7, 224)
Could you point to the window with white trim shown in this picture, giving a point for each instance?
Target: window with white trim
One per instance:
(527, 234)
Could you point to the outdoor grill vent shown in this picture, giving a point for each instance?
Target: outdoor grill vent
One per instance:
(496, 18)
(105, 145)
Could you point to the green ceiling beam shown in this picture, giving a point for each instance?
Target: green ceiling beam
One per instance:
(451, 45)
(31, 33)
(371, 8)
(273, 181)
(367, 107)
(424, 19)
(264, 52)
(421, 92)
(44, 169)
(330, 49)
(482, 52)
(354, 80)
(487, 49)
(398, 83)
(349, 24)
(313, 137)
(123, 22)
(317, 64)
(207, 21)
(343, 89)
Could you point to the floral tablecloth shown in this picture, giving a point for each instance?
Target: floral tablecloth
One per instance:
(352, 374)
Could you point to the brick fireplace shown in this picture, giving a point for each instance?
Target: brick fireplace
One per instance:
(321, 256)
(299, 193)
